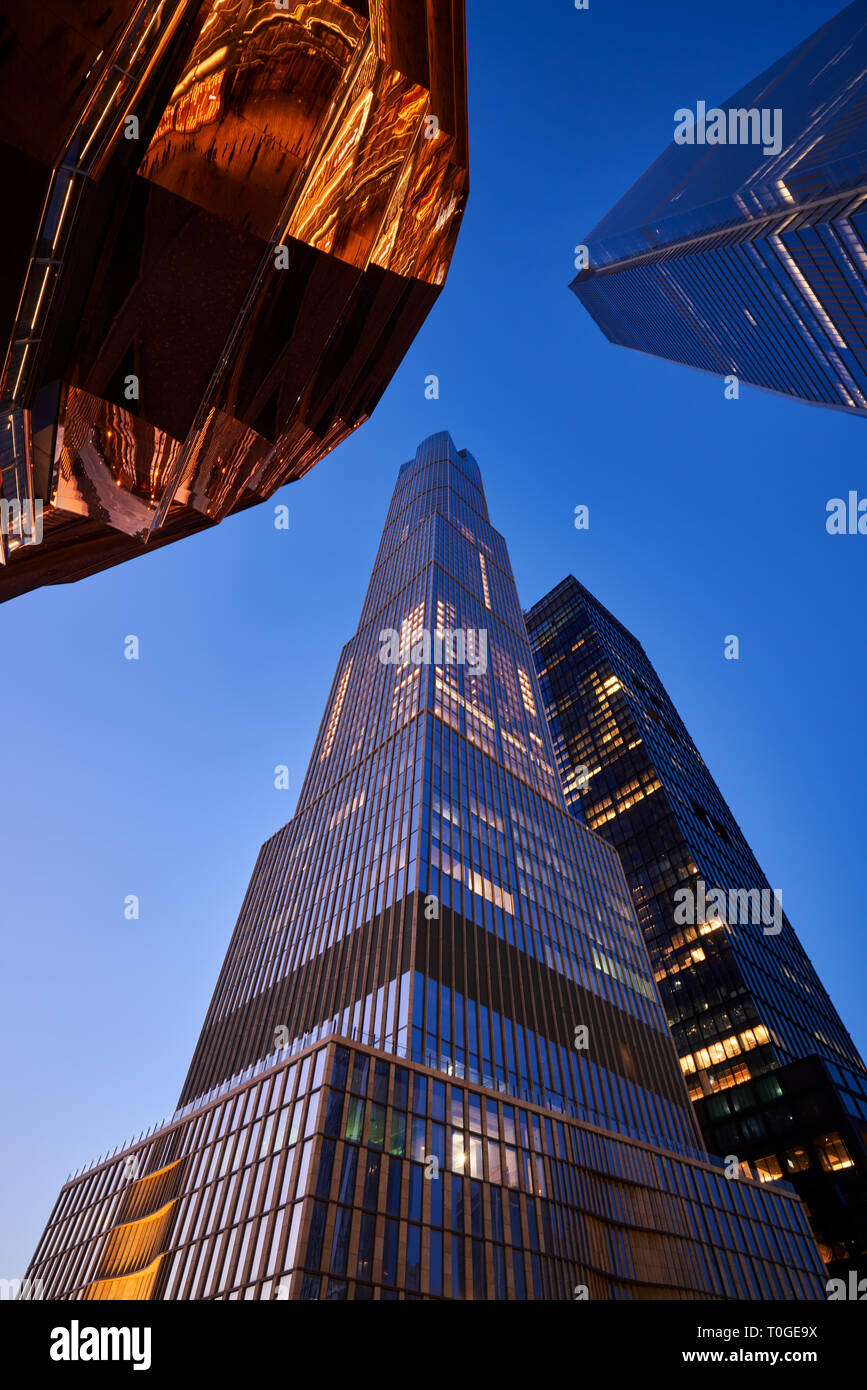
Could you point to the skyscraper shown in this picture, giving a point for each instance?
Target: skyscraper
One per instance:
(774, 1075)
(435, 1062)
(230, 221)
(743, 250)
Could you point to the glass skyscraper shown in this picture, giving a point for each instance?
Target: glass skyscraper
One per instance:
(748, 258)
(774, 1075)
(435, 1064)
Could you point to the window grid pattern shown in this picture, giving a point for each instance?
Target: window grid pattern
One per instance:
(766, 1057)
(343, 1174)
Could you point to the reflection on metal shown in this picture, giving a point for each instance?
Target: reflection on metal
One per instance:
(214, 304)
(140, 1227)
(113, 95)
(136, 1286)
(133, 1246)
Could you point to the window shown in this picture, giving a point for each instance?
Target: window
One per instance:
(767, 1169)
(457, 1267)
(365, 1247)
(389, 1253)
(413, 1258)
(401, 1077)
(354, 1120)
(347, 1175)
(397, 1140)
(796, 1160)
(458, 1155)
(457, 1204)
(380, 1083)
(485, 590)
(436, 1262)
(833, 1154)
(371, 1181)
(359, 1073)
(392, 1196)
(376, 1132)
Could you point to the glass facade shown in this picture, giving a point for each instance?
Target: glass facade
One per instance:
(347, 1175)
(752, 264)
(435, 1063)
(773, 1072)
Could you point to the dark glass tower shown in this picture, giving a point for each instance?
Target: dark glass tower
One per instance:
(773, 1073)
(750, 264)
(435, 1063)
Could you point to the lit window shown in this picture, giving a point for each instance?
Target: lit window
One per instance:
(796, 1160)
(833, 1154)
(335, 713)
(767, 1169)
(485, 590)
(527, 693)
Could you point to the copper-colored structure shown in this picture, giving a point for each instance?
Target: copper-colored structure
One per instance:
(229, 221)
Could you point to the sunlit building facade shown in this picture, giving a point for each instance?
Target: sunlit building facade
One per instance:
(773, 1073)
(748, 258)
(435, 1063)
(230, 220)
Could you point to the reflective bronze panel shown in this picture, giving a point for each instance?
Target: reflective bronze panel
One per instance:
(135, 1287)
(48, 54)
(245, 116)
(235, 222)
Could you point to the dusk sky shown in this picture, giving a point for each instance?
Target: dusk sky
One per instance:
(707, 518)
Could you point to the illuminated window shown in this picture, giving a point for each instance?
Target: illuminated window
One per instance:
(767, 1169)
(527, 692)
(485, 590)
(412, 630)
(796, 1160)
(732, 1075)
(477, 883)
(335, 713)
(833, 1154)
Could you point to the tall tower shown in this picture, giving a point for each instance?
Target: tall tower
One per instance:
(773, 1073)
(435, 1062)
(742, 250)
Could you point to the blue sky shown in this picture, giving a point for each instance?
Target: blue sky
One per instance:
(707, 518)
